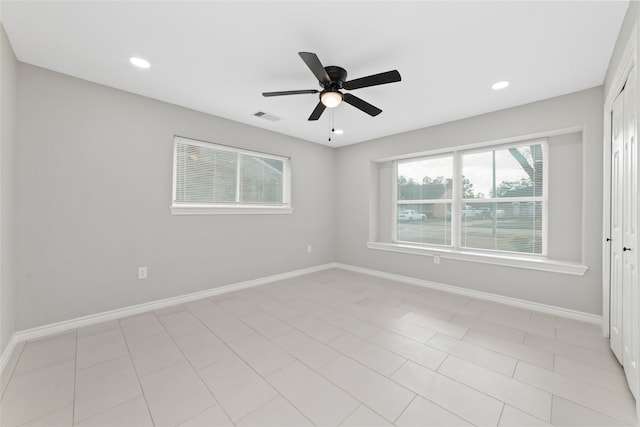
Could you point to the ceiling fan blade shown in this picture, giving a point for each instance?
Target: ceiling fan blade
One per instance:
(373, 80)
(317, 112)
(361, 105)
(314, 64)
(290, 92)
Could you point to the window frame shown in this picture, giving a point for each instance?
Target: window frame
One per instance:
(458, 200)
(190, 208)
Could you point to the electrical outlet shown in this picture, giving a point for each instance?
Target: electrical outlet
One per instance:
(436, 259)
(309, 248)
(142, 273)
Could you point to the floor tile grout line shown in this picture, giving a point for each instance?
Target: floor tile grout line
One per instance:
(41, 368)
(200, 413)
(407, 407)
(571, 399)
(274, 398)
(555, 396)
(547, 352)
(144, 395)
(369, 342)
(504, 404)
(412, 324)
(195, 371)
(518, 327)
(374, 372)
(341, 422)
(565, 377)
(234, 353)
(351, 395)
(53, 411)
(317, 371)
(489, 395)
(569, 357)
(394, 372)
(448, 410)
(110, 409)
(474, 361)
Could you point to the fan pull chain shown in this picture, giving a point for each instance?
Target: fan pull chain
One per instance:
(332, 127)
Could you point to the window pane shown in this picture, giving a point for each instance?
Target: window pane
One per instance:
(204, 175)
(260, 180)
(425, 179)
(504, 226)
(519, 172)
(424, 223)
(509, 172)
(477, 174)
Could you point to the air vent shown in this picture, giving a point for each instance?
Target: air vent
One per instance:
(267, 116)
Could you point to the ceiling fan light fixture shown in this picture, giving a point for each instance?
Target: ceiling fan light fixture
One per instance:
(331, 99)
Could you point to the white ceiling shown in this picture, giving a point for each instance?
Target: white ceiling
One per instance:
(219, 56)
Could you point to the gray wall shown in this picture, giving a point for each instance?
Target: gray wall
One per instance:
(8, 102)
(354, 166)
(94, 173)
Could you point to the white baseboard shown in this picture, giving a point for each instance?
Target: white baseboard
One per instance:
(515, 302)
(67, 325)
(56, 328)
(6, 354)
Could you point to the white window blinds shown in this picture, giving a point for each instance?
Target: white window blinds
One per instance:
(210, 175)
(488, 199)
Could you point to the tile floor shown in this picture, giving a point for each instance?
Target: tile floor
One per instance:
(334, 348)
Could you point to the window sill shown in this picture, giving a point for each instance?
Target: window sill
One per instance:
(542, 264)
(229, 210)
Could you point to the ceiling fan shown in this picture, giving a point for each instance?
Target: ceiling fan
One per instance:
(332, 79)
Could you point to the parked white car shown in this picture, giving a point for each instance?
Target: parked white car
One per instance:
(411, 215)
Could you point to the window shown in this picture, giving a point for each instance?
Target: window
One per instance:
(210, 178)
(487, 199)
(425, 197)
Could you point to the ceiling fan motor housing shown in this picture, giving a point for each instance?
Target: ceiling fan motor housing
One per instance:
(338, 76)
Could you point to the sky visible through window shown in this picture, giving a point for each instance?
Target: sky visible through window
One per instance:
(476, 166)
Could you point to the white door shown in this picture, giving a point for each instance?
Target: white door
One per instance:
(617, 166)
(624, 277)
(630, 248)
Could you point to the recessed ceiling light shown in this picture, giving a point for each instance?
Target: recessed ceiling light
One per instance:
(139, 62)
(500, 85)
(338, 131)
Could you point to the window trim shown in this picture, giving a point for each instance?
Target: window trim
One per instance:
(502, 258)
(187, 208)
(456, 202)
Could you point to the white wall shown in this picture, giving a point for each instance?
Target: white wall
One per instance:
(582, 293)
(629, 21)
(94, 168)
(8, 99)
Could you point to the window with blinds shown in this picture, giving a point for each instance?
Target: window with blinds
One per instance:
(211, 178)
(503, 199)
(489, 199)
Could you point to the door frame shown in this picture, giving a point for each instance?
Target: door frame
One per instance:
(627, 63)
